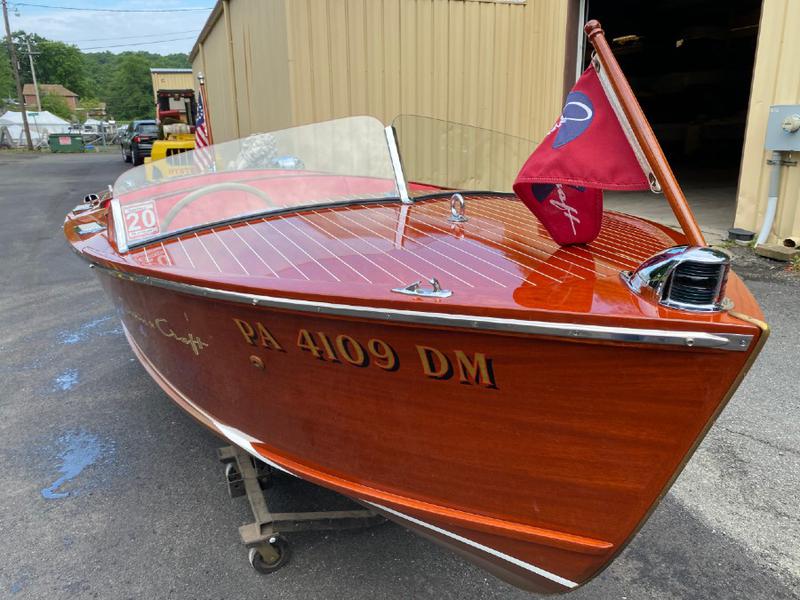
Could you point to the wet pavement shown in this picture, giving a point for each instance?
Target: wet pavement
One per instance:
(108, 490)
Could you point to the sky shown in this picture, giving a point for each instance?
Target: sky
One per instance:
(91, 31)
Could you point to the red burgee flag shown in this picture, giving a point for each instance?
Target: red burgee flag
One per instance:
(586, 152)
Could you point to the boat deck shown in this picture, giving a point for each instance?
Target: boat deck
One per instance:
(501, 261)
(502, 245)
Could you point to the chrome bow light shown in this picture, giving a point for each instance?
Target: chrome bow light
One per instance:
(684, 277)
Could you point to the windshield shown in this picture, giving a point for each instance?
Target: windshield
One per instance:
(330, 162)
(456, 156)
(147, 128)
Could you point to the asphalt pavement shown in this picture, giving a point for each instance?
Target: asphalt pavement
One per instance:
(108, 490)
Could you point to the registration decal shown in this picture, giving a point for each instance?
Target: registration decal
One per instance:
(466, 368)
(141, 220)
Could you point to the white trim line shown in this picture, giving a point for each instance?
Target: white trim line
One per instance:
(515, 561)
(245, 442)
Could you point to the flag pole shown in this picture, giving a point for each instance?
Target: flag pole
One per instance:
(644, 135)
(202, 79)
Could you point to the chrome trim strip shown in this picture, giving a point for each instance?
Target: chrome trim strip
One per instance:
(506, 557)
(689, 339)
(119, 226)
(397, 165)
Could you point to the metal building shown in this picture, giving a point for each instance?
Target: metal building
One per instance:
(706, 73)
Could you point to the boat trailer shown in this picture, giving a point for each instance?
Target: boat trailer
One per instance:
(268, 549)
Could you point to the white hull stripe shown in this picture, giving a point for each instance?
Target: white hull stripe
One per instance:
(245, 442)
(515, 561)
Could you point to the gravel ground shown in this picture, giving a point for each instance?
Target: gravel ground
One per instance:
(110, 491)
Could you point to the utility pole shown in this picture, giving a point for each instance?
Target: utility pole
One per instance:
(15, 67)
(33, 74)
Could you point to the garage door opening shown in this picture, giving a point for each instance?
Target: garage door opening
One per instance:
(690, 63)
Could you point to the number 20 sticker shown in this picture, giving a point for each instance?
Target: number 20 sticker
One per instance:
(141, 220)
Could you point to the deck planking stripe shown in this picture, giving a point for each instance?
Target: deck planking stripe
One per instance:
(303, 250)
(411, 252)
(318, 226)
(324, 247)
(257, 255)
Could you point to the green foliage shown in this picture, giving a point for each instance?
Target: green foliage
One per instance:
(131, 90)
(56, 105)
(7, 87)
(121, 80)
(56, 62)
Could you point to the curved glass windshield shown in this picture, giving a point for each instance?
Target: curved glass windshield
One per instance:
(335, 161)
(459, 157)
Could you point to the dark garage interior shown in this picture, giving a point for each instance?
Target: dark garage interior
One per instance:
(690, 63)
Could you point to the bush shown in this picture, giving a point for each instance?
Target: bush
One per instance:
(56, 105)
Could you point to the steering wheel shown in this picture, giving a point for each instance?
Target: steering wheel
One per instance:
(217, 187)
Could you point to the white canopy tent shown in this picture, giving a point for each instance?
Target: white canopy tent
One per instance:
(41, 123)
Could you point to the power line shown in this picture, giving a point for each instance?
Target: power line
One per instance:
(129, 37)
(140, 43)
(113, 10)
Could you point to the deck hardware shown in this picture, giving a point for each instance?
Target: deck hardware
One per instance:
(87, 228)
(689, 278)
(416, 289)
(457, 209)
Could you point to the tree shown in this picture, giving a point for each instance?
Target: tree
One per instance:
(57, 105)
(7, 87)
(131, 93)
(121, 80)
(56, 62)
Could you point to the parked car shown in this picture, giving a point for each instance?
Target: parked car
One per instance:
(137, 143)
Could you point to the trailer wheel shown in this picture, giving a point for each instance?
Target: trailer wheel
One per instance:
(269, 557)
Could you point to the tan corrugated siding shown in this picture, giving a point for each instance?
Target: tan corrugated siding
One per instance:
(260, 64)
(776, 80)
(492, 65)
(219, 84)
(171, 81)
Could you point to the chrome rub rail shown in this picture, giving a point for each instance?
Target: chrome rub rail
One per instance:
(689, 339)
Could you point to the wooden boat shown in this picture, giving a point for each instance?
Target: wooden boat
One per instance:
(527, 406)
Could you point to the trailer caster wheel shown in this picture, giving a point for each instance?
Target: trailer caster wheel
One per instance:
(270, 556)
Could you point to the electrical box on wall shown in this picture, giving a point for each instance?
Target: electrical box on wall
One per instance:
(783, 128)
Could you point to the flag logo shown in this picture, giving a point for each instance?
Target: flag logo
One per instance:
(576, 117)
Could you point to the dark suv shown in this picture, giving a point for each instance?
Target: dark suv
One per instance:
(138, 141)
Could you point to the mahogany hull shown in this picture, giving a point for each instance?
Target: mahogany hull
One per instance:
(536, 456)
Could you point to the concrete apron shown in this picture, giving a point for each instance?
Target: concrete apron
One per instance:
(714, 208)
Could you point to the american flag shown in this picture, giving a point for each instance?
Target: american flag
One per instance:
(203, 155)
